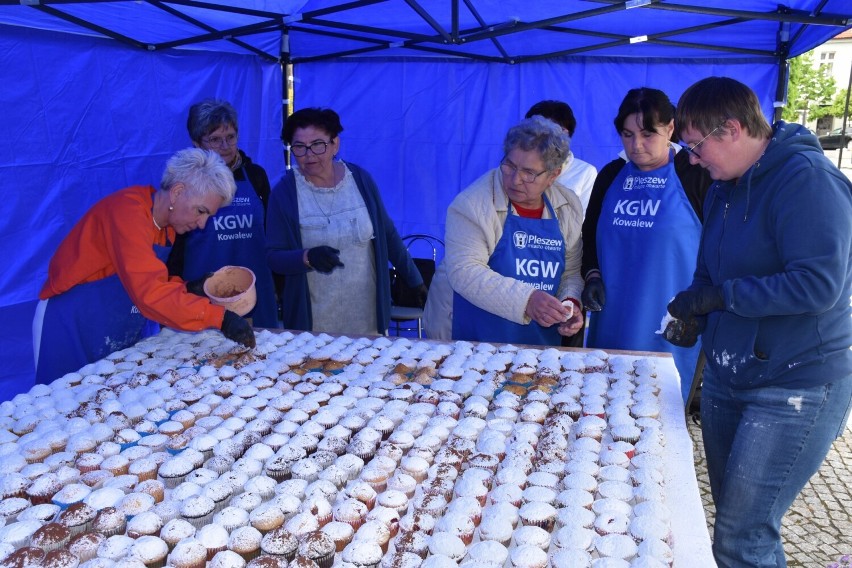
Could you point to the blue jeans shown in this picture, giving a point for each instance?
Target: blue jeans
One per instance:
(762, 446)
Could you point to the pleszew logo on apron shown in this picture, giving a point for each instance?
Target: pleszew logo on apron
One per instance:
(628, 183)
(520, 239)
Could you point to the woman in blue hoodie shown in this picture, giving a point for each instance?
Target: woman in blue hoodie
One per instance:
(771, 301)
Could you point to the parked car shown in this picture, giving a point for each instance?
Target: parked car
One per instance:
(834, 139)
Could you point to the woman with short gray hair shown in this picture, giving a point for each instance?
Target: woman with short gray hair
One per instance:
(108, 275)
(236, 234)
(511, 272)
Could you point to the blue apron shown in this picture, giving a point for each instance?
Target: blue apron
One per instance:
(647, 241)
(235, 236)
(532, 251)
(87, 323)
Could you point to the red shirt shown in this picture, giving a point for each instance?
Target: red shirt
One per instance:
(529, 213)
(116, 236)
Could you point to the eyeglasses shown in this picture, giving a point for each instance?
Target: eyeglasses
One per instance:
(317, 148)
(219, 142)
(691, 150)
(527, 176)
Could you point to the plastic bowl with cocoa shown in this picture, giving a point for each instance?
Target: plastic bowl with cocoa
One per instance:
(233, 288)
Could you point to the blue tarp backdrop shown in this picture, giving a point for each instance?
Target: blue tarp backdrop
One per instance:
(87, 114)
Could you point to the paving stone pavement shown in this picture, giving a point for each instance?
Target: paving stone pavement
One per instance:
(817, 529)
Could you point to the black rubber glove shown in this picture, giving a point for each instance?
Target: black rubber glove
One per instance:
(197, 286)
(238, 329)
(697, 302)
(324, 258)
(594, 294)
(684, 333)
(420, 293)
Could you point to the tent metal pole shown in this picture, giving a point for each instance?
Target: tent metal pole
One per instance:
(783, 50)
(845, 117)
(287, 86)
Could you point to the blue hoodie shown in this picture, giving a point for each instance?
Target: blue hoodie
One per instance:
(778, 241)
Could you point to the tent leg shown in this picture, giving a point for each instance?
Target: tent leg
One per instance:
(696, 379)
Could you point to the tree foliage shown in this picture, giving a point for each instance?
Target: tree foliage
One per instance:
(810, 90)
(837, 104)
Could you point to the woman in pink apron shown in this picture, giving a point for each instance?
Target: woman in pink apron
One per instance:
(511, 269)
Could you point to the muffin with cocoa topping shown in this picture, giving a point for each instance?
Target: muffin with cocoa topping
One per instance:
(319, 547)
(77, 517)
(51, 536)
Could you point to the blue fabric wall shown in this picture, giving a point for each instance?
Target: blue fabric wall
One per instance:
(425, 130)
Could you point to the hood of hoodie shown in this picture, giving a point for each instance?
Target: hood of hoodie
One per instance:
(788, 141)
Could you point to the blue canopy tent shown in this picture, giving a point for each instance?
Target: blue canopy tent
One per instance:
(96, 93)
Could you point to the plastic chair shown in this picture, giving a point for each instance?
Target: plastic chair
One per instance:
(404, 307)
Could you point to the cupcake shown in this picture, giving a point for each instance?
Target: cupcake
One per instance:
(417, 521)
(266, 517)
(88, 462)
(60, 559)
(153, 487)
(174, 531)
(77, 517)
(319, 547)
(70, 494)
(528, 557)
(279, 542)
(362, 554)
(173, 471)
(198, 510)
(117, 465)
(448, 545)
(147, 523)
(85, 545)
(144, 469)
(352, 512)
(231, 518)
(618, 546)
(415, 542)
(25, 556)
(115, 547)
(341, 533)
(188, 553)
(245, 541)
(104, 497)
(538, 514)
(134, 504)
(214, 538)
(109, 521)
(488, 551)
(458, 524)
(51, 536)
(42, 513)
(150, 550)
(43, 488)
(227, 559)
(389, 517)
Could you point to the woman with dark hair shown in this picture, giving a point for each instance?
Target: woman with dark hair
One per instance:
(770, 298)
(511, 269)
(235, 235)
(640, 235)
(329, 234)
